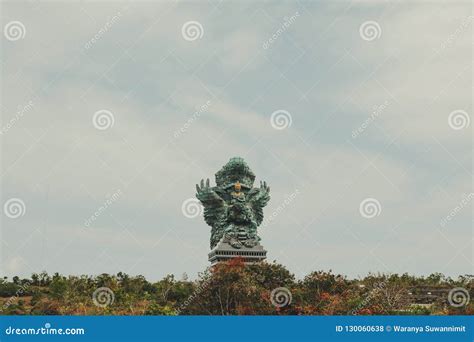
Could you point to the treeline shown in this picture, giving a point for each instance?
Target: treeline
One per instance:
(234, 288)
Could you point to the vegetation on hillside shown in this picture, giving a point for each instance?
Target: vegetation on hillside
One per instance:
(234, 288)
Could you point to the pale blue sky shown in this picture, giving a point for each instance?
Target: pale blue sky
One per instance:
(320, 69)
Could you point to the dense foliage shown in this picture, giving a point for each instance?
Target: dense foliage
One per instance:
(234, 288)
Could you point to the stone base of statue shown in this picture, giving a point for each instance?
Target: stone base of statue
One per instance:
(223, 251)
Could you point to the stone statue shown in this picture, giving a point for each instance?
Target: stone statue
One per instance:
(234, 208)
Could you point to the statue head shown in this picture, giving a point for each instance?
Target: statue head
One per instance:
(236, 170)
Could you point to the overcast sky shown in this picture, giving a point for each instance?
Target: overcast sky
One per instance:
(372, 100)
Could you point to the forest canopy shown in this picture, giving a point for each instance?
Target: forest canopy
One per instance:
(236, 288)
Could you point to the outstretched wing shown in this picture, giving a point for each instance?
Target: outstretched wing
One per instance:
(214, 205)
(258, 199)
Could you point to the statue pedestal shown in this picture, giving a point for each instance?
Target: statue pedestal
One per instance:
(224, 252)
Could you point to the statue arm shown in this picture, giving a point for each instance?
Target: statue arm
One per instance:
(206, 194)
(214, 205)
(259, 199)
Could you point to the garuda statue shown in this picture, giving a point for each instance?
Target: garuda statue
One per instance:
(234, 208)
